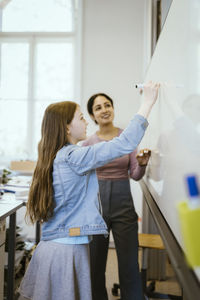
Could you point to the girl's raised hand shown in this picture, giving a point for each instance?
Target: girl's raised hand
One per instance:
(150, 97)
(151, 92)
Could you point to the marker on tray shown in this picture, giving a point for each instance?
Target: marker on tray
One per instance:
(193, 192)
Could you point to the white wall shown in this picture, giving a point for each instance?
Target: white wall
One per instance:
(112, 61)
(113, 58)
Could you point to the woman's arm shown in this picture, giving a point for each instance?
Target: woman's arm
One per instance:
(136, 171)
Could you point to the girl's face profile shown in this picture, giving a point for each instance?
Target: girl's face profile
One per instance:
(103, 112)
(77, 128)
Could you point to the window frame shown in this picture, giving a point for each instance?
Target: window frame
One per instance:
(32, 38)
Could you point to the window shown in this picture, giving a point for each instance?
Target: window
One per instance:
(39, 44)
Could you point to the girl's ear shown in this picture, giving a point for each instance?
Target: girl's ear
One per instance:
(68, 130)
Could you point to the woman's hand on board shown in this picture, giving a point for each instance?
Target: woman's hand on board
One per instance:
(143, 157)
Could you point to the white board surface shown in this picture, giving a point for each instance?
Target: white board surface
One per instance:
(174, 130)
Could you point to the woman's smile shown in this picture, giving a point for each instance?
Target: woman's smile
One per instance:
(105, 115)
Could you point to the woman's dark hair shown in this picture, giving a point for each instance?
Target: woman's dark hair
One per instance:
(90, 102)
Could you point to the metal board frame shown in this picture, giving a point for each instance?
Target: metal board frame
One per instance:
(185, 275)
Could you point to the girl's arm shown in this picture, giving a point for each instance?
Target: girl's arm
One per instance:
(84, 159)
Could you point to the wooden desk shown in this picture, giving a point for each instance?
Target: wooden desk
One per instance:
(8, 208)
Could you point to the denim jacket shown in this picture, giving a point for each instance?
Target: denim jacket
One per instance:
(75, 184)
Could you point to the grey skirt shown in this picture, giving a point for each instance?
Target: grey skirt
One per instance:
(57, 272)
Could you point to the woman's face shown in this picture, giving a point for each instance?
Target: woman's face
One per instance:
(103, 112)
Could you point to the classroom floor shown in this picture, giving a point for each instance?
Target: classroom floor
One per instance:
(168, 286)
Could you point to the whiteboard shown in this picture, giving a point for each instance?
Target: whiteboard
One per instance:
(174, 123)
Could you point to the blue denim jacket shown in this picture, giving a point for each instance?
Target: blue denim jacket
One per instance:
(75, 184)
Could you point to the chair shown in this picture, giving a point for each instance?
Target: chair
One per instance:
(148, 241)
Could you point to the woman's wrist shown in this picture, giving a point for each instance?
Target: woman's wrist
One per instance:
(142, 165)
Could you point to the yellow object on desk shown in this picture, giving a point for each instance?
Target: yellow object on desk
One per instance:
(190, 225)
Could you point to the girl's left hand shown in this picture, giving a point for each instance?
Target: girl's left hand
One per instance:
(143, 157)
